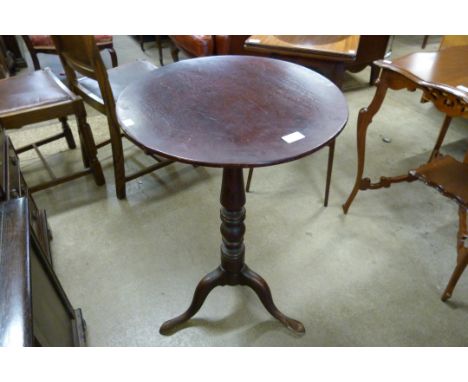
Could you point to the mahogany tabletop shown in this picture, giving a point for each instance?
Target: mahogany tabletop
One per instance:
(232, 111)
(446, 69)
(341, 48)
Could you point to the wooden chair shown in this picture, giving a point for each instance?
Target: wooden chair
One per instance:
(43, 44)
(100, 88)
(40, 96)
(450, 178)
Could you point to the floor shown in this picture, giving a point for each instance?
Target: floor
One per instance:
(371, 278)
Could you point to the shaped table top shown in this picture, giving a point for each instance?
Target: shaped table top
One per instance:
(445, 69)
(232, 111)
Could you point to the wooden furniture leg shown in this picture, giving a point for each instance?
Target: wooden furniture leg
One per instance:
(67, 133)
(233, 270)
(441, 137)
(249, 179)
(88, 151)
(32, 52)
(375, 71)
(118, 160)
(113, 56)
(160, 51)
(88, 146)
(364, 119)
(462, 258)
(174, 52)
(424, 42)
(331, 154)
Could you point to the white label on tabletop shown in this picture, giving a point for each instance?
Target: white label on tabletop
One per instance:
(128, 122)
(254, 41)
(293, 137)
(464, 88)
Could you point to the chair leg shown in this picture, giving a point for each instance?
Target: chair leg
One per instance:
(88, 148)
(424, 42)
(118, 159)
(249, 179)
(174, 53)
(84, 153)
(160, 51)
(440, 138)
(35, 60)
(462, 258)
(113, 56)
(68, 133)
(331, 154)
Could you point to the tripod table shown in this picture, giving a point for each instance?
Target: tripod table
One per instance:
(232, 112)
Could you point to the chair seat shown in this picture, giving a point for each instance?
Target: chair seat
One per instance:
(448, 176)
(45, 41)
(120, 77)
(30, 91)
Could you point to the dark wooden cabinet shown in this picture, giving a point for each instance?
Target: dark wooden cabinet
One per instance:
(34, 309)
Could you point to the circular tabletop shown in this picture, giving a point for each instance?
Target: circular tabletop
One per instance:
(232, 111)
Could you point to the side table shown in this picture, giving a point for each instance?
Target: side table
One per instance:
(232, 112)
(443, 78)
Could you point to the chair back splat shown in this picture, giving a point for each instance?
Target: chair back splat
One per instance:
(100, 87)
(80, 54)
(44, 44)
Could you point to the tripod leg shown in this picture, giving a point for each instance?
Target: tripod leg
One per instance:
(204, 287)
(261, 288)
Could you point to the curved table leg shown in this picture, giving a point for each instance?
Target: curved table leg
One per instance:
(204, 287)
(364, 119)
(261, 288)
(462, 258)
